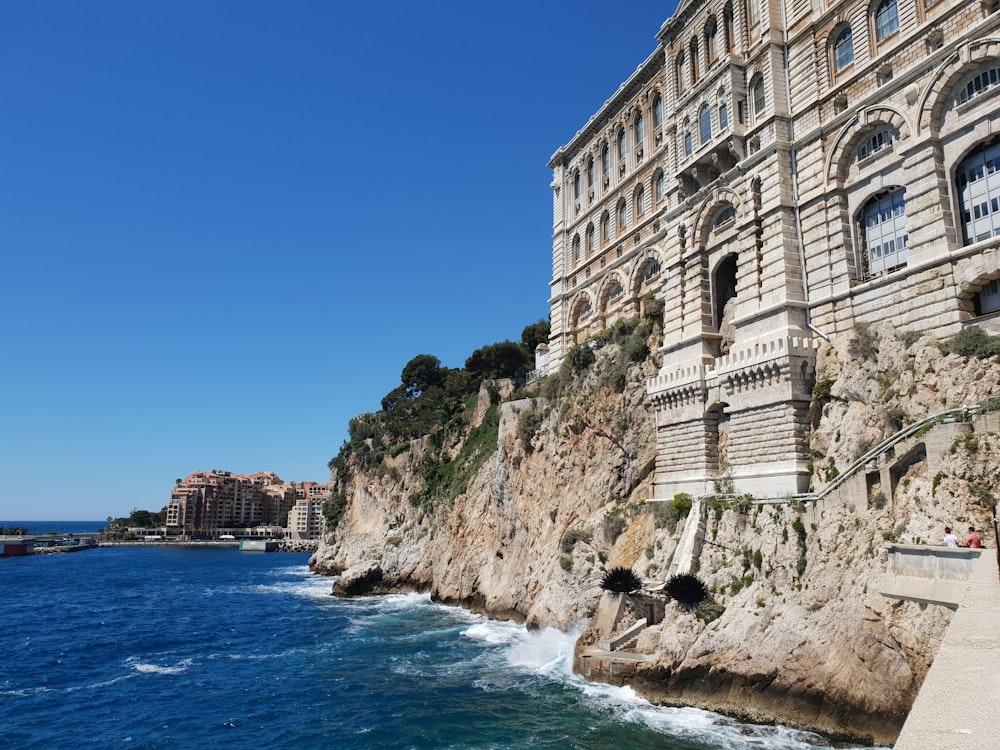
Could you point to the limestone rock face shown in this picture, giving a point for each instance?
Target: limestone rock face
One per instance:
(800, 634)
(498, 548)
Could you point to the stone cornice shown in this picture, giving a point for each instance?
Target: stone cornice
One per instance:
(610, 109)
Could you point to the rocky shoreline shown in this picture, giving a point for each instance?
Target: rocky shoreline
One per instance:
(797, 632)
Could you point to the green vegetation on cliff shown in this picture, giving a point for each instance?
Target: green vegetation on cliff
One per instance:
(445, 410)
(436, 401)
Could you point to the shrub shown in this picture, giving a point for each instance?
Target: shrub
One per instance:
(800, 566)
(975, 342)
(566, 562)
(579, 358)
(334, 509)
(614, 524)
(652, 308)
(864, 345)
(528, 424)
(682, 504)
(616, 378)
(909, 338)
(709, 610)
(664, 515)
(894, 418)
(821, 391)
(743, 504)
(878, 500)
(636, 348)
(799, 528)
(571, 537)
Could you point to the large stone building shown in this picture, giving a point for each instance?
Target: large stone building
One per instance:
(776, 172)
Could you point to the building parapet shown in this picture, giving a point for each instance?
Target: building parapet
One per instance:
(923, 573)
(688, 375)
(760, 352)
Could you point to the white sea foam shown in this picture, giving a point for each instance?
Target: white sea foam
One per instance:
(549, 653)
(494, 632)
(546, 652)
(150, 668)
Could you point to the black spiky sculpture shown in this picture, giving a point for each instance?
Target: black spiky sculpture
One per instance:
(621, 581)
(687, 590)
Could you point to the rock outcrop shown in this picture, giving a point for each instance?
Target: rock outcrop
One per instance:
(795, 632)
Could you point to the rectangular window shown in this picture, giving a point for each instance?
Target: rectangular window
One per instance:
(723, 117)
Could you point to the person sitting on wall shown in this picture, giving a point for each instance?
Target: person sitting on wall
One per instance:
(950, 540)
(974, 540)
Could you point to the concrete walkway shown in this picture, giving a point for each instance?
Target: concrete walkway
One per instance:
(959, 703)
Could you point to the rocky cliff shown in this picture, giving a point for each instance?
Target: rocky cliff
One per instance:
(795, 630)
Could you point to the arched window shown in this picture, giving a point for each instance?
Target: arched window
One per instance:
(590, 240)
(605, 227)
(886, 19)
(694, 59)
(977, 180)
(576, 248)
(711, 40)
(727, 27)
(640, 200)
(883, 230)
(843, 49)
(621, 145)
(657, 111)
(705, 124)
(622, 216)
(616, 290)
(651, 270)
(980, 84)
(679, 74)
(590, 173)
(640, 130)
(879, 140)
(605, 160)
(659, 186)
(757, 96)
(723, 218)
(576, 184)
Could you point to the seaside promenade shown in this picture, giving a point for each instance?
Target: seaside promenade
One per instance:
(958, 706)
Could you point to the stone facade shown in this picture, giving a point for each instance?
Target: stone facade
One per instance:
(777, 172)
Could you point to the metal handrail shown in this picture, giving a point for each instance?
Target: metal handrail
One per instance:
(963, 413)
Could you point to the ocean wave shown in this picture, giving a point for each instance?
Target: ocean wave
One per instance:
(494, 632)
(547, 652)
(694, 724)
(144, 667)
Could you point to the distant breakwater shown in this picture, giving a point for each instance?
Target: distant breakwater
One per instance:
(284, 545)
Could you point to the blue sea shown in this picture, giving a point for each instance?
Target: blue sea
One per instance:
(126, 647)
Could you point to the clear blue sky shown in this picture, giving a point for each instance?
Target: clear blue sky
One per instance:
(226, 226)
